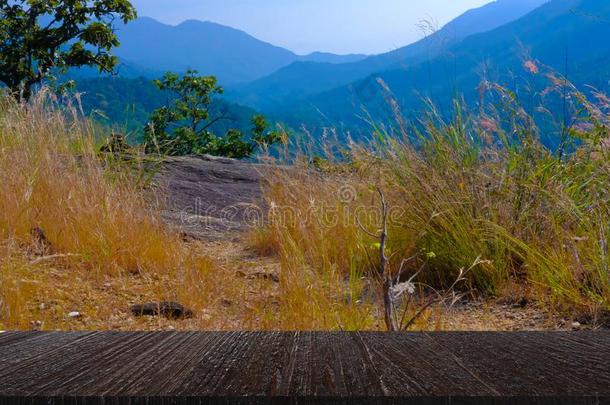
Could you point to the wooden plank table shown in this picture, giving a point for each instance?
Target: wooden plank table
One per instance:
(304, 367)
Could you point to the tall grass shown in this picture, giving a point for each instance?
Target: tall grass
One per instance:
(322, 281)
(480, 185)
(65, 211)
(477, 188)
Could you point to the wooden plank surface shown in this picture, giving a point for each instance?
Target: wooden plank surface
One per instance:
(257, 367)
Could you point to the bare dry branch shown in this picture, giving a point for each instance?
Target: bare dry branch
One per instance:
(52, 257)
(363, 229)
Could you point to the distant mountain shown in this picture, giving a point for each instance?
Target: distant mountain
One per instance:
(570, 36)
(304, 78)
(212, 49)
(324, 57)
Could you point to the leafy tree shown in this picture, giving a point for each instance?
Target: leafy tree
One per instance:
(183, 126)
(37, 36)
(261, 136)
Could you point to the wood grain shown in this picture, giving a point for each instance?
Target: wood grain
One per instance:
(304, 367)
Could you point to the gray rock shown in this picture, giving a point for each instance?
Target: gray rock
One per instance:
(210, 198)
(170, 310)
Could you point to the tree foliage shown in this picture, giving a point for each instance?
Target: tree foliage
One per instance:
(182, 127)
(37, 36)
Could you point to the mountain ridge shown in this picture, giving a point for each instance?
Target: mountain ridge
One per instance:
(541, 37)
(228, 53)
(299, 79)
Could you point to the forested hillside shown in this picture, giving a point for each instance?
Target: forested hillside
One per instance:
(126, 104)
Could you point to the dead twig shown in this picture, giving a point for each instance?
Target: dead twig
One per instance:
(52, 257)
(383, 270)
(391, 286)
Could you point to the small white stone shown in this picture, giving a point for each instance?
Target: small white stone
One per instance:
(74, 314)
(576, 325)
(42, 306)
(36, 325)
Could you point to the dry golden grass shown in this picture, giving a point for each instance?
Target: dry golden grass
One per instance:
(480, 188)
(78, 233)
(539, 223)
(321, 255)
(74, 228)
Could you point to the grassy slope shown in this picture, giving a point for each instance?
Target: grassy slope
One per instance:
(98, 230)
(78, 233)
(480, 188)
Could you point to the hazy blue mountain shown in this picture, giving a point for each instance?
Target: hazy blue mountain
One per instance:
(232, 55)
(570, 36)
(325, 57)
(302, 79)
(212, 49)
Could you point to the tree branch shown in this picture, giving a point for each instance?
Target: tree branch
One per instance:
(214, 121)
(363, 229)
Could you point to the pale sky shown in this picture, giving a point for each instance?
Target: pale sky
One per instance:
(303, 26)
